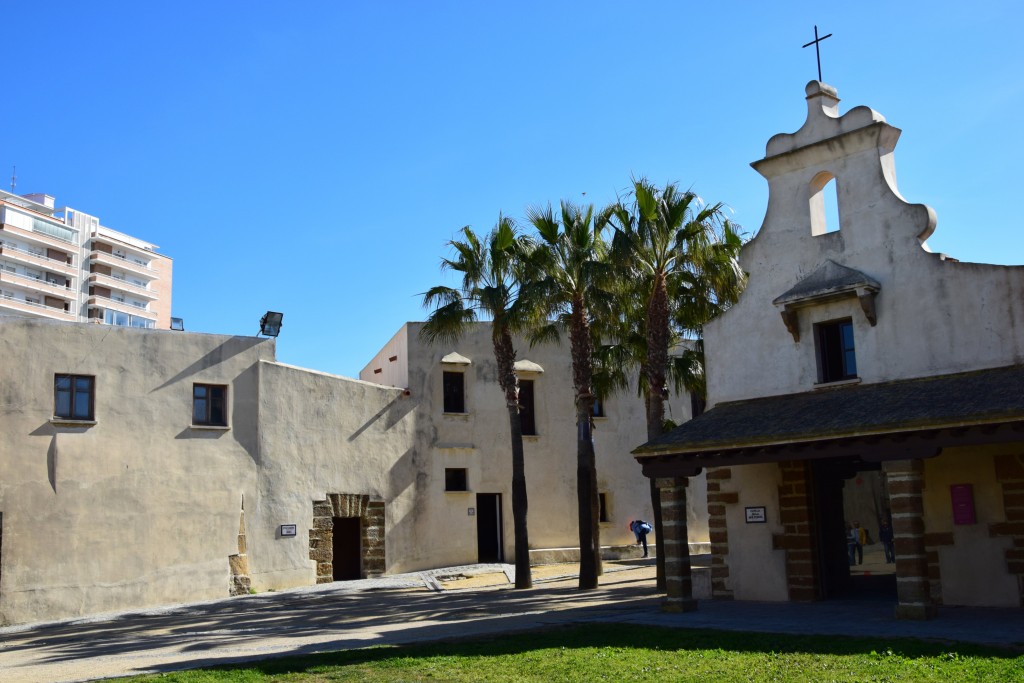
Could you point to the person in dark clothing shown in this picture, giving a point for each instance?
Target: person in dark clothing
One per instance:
(885, 536)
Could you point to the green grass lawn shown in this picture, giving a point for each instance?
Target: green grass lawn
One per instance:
(611, 652)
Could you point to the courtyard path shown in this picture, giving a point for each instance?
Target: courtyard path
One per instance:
(443, 604)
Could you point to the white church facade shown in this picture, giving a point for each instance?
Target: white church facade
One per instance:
(856, 356)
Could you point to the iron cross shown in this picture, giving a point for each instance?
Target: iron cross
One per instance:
(816, 50)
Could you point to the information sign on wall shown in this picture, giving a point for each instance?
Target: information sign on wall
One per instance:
(756, 515)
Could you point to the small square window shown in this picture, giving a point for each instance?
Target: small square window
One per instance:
(597, 410)
(455, 479)
(74, 396)
(209, 405)
(836, 357)
(454, 392)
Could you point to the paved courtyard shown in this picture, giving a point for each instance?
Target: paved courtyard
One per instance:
(453, 603)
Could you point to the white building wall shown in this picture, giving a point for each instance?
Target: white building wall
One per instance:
(930, 310)
(935, 316)
(138, 508)
(480, 442)
(322, 434)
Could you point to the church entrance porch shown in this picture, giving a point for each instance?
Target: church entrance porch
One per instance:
(851, 500)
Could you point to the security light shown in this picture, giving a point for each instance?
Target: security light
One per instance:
(178, 324)
(270, 324)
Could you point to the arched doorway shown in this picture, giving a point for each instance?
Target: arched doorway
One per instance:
(347, 538)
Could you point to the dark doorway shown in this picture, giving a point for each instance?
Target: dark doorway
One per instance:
(848, 491)
(347, 549)
(488, 527)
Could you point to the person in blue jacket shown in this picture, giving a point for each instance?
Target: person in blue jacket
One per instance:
(640, 529)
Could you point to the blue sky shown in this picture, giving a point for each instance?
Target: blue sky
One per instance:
(315, 157)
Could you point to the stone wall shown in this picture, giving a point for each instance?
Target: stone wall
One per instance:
(239, 562)
(797, 539)
(321, 536)
(718, 531)
(1010, 475)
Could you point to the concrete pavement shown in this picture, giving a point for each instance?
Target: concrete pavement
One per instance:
(417, 607)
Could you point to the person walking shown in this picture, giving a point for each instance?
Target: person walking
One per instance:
(885, 536)
(861, 536)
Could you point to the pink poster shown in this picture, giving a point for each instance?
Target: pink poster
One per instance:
(963, 503)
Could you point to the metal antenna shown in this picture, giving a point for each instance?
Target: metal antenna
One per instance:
(13, 177)
(816, 50)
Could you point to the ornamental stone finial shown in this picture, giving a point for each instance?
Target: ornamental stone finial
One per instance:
(822, 97)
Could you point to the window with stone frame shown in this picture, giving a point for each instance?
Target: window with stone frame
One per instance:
(454, 389)
(209, 405)
(74, 397)
(837, 359)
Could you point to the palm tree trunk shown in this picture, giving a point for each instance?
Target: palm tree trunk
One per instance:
(586, 462)
(505, 356)
(655, 367)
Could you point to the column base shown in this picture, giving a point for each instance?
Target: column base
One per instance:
(679, 605)
(916, 612)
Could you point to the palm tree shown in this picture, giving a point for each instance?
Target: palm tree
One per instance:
(575, 277)
(493, 287)
(678, 257)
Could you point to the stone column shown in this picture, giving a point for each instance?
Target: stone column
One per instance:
(905, 480)
(678, 580)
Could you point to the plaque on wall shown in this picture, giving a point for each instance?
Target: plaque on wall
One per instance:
(756, 515)
(288, 530)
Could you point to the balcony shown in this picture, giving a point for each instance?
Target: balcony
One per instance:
(39, 260)
(37, 237)
(123, 285)
(123, 306)
(123, 263)
(38, 285)
(29, 308)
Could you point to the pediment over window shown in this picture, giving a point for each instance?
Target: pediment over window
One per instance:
(524, 365)
(456, 359)
(829, 282)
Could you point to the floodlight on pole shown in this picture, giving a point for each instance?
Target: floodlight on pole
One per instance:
(270, 323)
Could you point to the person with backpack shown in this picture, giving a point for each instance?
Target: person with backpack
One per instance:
(640, 529)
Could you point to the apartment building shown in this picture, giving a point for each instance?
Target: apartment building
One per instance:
(60, 263)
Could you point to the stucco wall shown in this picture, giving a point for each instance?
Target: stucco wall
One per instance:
(322, 434)
(383, 370)
(930, 311)
(973, 569)
(756, 570)
(934, 316)
(480, 442)
(143, 508)
(138, 508)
